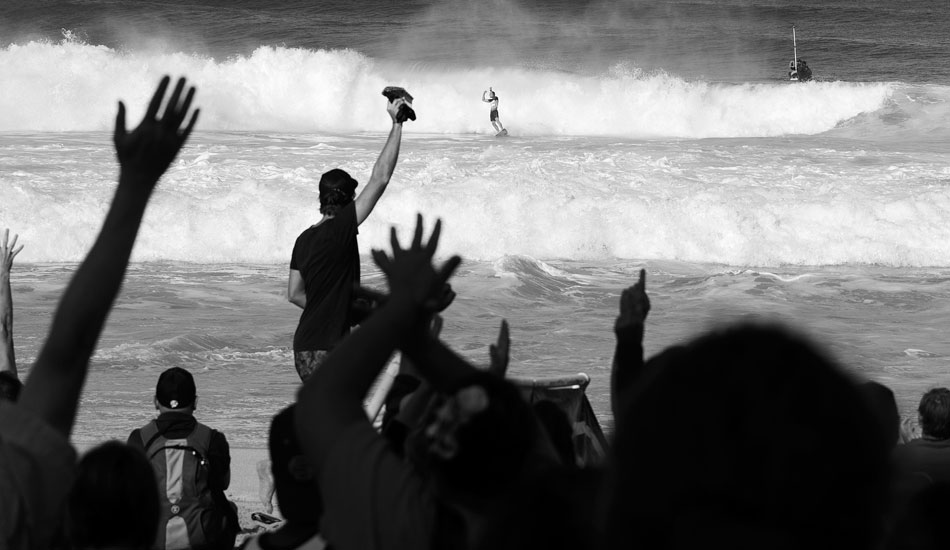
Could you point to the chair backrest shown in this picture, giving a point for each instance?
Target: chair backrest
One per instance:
(568, 393)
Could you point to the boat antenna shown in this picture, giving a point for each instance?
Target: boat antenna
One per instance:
(794, 48)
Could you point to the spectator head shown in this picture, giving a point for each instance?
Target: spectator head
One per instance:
(176, 391)
(884, 405)
(337, 189)
(934, 411)
(478, 439)
(294, 479)
(10, 386)
(747, 437)
(113, 502)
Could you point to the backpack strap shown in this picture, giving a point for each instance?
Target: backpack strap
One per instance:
(148, 435)
(201, 437)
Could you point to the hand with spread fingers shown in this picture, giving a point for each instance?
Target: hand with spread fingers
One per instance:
(151, 147)
(8, 251)
(498, 352)
(410, 271)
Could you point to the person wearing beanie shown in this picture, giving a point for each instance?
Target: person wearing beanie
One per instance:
(188, 445)
(325, 264)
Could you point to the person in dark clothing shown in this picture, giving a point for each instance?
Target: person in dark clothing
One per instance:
(922, 478)
(176, 429)
(325, 264)
(927, 458)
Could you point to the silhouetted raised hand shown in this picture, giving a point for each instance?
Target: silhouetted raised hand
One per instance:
(498, 352)
(8, 251)
(628, 328)
(634, 304)
(410, 272)
(152, 146)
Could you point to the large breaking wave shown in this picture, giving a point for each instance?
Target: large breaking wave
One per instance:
(73, 86)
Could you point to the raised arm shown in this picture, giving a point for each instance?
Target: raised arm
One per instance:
(628, 356)
(332, 399)
(8, 251)
(53, 389)
(424, 355)
(383, 169)
(498, 352)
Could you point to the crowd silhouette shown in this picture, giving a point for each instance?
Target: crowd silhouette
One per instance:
(747, 436)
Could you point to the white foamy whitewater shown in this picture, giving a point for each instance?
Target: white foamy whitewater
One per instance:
(621, 165)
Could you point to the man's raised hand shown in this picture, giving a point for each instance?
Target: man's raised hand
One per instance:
(393, 109)
(8, 251)
(410, 272)
(151, 147)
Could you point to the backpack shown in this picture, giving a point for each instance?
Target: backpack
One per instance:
(190, 516)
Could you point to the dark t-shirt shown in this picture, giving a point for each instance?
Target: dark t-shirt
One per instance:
(930, 457)
(328, 258)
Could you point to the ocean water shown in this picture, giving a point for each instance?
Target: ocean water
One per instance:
(642, 134)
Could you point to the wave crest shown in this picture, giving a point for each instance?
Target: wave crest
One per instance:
(73, 86)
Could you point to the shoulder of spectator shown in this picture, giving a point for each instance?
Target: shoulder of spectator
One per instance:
(135, 439)
(218, 446)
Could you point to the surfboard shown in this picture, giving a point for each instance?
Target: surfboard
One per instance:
(502, 133)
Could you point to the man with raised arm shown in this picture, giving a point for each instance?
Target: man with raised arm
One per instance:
(628, 355)
(37, 462)
(471, 452)
(489, 96)
(10, 384)
(325, 265)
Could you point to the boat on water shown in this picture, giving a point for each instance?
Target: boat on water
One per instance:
(798, 69)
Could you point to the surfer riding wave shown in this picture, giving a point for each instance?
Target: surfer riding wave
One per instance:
(489, 96)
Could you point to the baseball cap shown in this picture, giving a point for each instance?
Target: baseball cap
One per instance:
(337, 180)
(175, 389)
